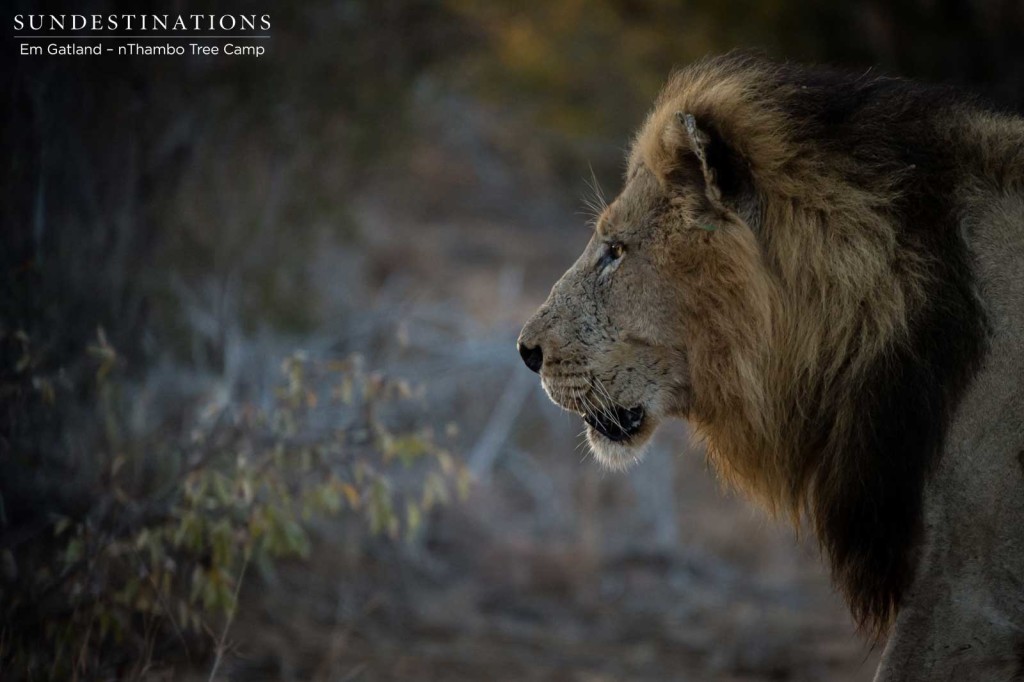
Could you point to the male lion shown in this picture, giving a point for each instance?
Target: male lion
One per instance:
(824, 273)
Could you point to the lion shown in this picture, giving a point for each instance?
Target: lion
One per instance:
(823, 273)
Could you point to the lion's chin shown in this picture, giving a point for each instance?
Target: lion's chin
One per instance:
(622, 454)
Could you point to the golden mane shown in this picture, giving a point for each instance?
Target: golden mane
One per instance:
(818, 388)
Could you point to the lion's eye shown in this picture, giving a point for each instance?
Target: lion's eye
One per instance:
(613, 251)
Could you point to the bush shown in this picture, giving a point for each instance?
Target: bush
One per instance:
(154, 566)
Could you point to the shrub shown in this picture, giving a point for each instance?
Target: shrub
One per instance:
(154, 566)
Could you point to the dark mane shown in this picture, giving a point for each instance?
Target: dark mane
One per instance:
(856, 180)
(900, 131)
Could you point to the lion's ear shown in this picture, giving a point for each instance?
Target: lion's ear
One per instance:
(702, 154)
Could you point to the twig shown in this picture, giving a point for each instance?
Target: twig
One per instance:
(221, 643)
(503, 418)
(165, 605)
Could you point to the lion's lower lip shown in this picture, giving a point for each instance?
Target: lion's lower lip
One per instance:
(617, 426)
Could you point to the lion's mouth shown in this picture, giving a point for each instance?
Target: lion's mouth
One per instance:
(618, 425)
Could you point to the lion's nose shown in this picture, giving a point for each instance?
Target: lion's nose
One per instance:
(533, 356)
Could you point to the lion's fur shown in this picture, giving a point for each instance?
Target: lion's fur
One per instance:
(830, 314)
(844, 297)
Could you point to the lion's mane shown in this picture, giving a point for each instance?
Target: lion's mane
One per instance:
(829, 347)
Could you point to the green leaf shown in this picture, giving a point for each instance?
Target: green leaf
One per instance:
(413, 519)
(73, 551)
(61, 525)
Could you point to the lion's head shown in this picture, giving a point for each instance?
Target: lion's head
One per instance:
(780, 270)
(609, 342)
(667, 307)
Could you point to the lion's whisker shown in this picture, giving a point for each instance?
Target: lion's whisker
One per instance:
(607, 401)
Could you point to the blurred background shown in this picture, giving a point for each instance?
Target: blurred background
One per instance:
(261, 415)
